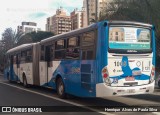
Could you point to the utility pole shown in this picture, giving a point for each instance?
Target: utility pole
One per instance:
(87, 11)
(96, 12)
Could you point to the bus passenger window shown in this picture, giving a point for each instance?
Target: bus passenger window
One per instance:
(14, 59)
(42, 53)
(60, 51)
(88, 39)
(51, 53)
(60, 54)
(73, 50)
(60, 44)
(23, 56)
(73, 42)
(29, 56)
(72, 53)
(18, 60)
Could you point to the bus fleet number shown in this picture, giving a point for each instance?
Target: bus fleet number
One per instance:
(118, 63)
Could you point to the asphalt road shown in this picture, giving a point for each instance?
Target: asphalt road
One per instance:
(13, 94)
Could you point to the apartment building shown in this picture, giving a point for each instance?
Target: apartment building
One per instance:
(59, 23)
(28, 27)
(77, 19)
(94, 8)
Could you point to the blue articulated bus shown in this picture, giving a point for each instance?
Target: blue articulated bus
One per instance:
(108, 58)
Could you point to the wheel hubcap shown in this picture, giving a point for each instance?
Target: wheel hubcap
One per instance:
(61, 88)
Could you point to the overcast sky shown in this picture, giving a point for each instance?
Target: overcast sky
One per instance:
(13, 12)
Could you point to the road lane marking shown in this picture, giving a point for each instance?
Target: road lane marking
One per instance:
(58, 99)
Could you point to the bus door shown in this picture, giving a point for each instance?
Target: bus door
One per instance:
(48, 59)
(18, 64)
(43, 66)
(11, 68)
(16, 67)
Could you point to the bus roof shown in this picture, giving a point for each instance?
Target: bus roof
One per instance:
(20, 47)
(95, 25)
(73, 32)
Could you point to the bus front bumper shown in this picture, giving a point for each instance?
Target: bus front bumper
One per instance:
(102, 90)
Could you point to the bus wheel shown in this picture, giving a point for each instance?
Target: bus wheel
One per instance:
(159, 83)
(60, 88)
(25, 81)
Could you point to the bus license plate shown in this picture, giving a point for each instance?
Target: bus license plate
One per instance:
(129, 79)
(131, 90)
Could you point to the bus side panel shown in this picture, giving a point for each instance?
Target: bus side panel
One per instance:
(43, 73)
(77, 82)
(27, 69)
(80, 78)
(102, 47)
(88, 77)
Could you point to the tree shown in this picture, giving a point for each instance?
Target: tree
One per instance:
(40, 35)
(134, 10)
(147, 11)
(24, 40)
(10, 38)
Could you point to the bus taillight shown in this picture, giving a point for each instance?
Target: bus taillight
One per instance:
(105, 76)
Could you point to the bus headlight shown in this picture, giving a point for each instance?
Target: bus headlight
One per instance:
(152, 74)
(105, 76)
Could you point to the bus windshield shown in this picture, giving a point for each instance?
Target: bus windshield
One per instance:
(129, 38)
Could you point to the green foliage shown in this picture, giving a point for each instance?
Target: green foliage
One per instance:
(40, 35)
(10, 38)
(147, 11)
(24, 40)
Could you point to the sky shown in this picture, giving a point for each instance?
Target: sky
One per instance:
(14, 12)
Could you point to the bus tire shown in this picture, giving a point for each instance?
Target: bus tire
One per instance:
(159, 83)
(25, 81)
(60, 88)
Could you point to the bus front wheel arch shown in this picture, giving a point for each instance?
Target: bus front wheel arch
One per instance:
(60, 88)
